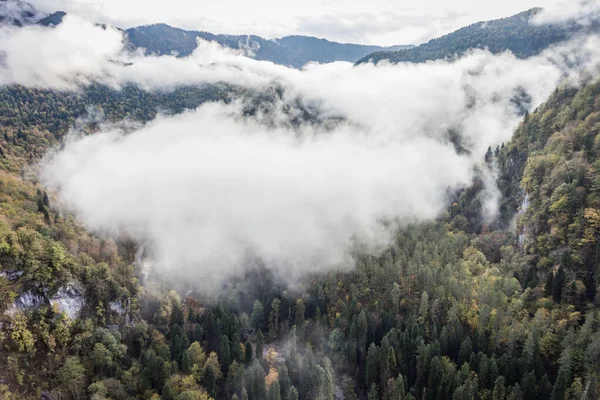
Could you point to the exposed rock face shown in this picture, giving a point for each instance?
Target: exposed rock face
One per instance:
(27, 301)
(11, 275)
(68, 299)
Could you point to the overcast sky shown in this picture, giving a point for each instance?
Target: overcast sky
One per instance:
(382, 22)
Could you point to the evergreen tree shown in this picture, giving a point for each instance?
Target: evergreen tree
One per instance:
(209, 381)
(466, 348)
(372, 368)
(275, 391)
(249, 353)
(260, 342)
(293, 394)
(328, 379)
(299, 317)
(225, 354)
(284, 380)
(186, 362)
(274, 318)
(373, 392)
(515, 393)
(258, 315)
(499, 391)
(558, 284)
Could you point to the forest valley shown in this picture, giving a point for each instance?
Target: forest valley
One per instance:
(453, 308)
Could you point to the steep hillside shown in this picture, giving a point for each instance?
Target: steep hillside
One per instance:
(556, 151)
(514, 33)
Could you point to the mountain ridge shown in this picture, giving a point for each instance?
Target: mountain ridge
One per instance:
(292, 50)
(163, 39)
(515, 33)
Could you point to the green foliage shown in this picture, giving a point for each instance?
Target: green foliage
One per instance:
(449, 309)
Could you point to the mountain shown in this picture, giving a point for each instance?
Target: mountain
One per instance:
(53, 19)
(322, 50)
(293, 51)
(514, 33)
(162, 39)
(452, 308)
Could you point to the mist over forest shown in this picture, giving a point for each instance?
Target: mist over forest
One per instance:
(188, 215)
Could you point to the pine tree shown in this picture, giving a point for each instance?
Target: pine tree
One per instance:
(562, 382)
(249, 353)
(293, 394)
(260, 342)
(274, 318)
(372, 376)
(209, 381)
(558, 284)
(258, 315)
(284, 380)
(549, 283)
(328, 380)
(516, 393)
(466, 348)
(225, 354)
(373, 392)
(186, 362)
(399, 389)
(275, 391)
(299, 317)
(488, 155)
(528, 385)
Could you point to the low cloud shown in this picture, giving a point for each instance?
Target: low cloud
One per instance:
(584, 12)
(393, 22)
(219, 186)
(13, 12)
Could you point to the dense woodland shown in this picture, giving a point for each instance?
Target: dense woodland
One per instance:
(452, 309)
(515, 33)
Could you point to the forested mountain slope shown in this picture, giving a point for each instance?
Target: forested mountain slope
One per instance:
(455, 308)
(515, 33)
(557, 152)
(451, 309)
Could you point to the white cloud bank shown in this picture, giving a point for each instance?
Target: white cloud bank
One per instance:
(208, 186)
(379, 22)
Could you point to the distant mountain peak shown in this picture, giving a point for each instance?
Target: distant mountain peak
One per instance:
(53, 19)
